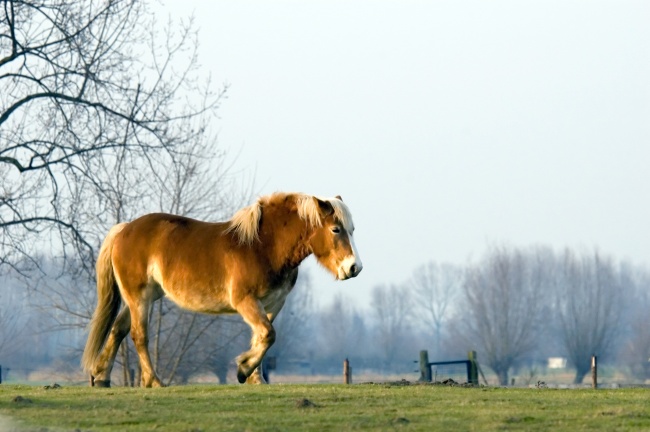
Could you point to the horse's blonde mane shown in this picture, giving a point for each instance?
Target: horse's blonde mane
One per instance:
(246, 222)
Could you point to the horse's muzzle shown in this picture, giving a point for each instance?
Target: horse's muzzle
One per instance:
(352, 271)
(355, 269)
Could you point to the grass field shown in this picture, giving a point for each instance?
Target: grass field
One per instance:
(390, 406)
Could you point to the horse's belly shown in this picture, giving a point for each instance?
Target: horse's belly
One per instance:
(204, 299)
(192, 294)
(196, 301)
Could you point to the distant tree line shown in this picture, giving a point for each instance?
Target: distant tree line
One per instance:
(516, 307)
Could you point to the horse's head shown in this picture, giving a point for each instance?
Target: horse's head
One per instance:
(333, 241)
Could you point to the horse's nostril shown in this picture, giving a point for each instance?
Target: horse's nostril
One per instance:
(353, 269)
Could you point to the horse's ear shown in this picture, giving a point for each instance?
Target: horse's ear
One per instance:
(324, 207)
(338, 197)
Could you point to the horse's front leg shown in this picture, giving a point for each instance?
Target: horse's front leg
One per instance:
(257, 377)
(263, 337)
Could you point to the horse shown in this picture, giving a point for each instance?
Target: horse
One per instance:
(247, 265)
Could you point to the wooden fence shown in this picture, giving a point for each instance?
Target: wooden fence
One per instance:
(471, 366)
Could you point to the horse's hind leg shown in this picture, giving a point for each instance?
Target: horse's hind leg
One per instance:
(263, 337)
(140, 336)
(101, 375)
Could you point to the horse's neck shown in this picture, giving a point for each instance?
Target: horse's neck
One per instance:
(287, 247)
(299, 252)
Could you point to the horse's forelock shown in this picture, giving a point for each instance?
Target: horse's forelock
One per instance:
(342, 213)
(309, 211)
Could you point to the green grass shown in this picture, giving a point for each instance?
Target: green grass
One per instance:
(337, 407)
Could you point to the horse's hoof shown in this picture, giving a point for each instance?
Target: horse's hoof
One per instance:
(256, 380)
(102, 383)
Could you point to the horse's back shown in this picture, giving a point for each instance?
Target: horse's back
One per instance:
(180, 255)
(161, 234)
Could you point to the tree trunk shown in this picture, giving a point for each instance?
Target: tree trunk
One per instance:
(156, 341)
(222, 373)
(125, 363)
(580, 374)
(503, 376)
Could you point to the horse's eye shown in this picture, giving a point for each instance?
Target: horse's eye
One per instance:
(336, 230)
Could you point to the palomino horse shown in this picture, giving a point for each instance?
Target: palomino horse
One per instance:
(247, 265)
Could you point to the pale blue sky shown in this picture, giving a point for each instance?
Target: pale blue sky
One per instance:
(445, 125)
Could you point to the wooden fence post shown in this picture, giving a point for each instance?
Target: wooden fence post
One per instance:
(473, 368)
(425, 369)
(347, 372)
(594, 372)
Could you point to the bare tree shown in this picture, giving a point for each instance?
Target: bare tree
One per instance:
(504, 297)
(391, 306)
(434, 288)
(589, 303)
(90, 88)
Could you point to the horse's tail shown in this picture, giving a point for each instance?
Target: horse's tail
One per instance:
(108, 302)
